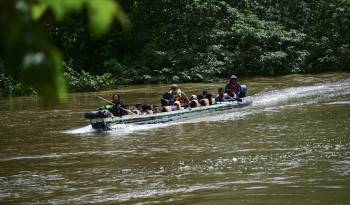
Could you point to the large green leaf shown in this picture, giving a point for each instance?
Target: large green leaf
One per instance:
(59, 8)
(42, 70)
(28, 55)
(101, 15)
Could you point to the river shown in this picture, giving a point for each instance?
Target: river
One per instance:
(292, 146)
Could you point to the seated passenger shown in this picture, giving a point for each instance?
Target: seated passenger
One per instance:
(194, 101)
(233, 87)
(210, 98)
(204, 101)
(126, 110)
(222, 96)
(116, 108)
(213, 102)
(147, 109)
(179, 98)
(166, 107)
(168, 100)
(156, 109)
(138, 109)
(167, 96)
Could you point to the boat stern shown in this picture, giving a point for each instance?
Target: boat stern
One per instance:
(97, 120)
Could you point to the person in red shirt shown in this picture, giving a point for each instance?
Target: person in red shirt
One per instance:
(233, 88)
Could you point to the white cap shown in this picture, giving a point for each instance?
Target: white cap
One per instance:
(233, 77)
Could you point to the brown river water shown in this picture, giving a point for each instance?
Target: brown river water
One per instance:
(292, 146)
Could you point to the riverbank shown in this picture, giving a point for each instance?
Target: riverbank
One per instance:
(85, 82)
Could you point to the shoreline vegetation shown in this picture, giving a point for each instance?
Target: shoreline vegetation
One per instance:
(85, 82)
(192, 41)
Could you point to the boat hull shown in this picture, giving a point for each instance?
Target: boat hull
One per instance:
(104, 123)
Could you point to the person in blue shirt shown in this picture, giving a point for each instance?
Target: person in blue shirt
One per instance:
(222, 96)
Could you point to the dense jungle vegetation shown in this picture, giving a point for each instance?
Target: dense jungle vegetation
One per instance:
(198, 40)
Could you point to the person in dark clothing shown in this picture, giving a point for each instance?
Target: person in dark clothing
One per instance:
(169, 103)
(167, 96)
(166, 106)
(233, 88)
(147, 109)
(222, 96)
(117, 108)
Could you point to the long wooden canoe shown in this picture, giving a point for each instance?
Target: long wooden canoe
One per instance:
(104, 123)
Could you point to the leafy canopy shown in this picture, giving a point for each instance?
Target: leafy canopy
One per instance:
(28, 55)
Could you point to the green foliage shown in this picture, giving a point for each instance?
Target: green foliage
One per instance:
(83, 81)
(9, 87)
(28, 55)
(101, 12)
(189, 41)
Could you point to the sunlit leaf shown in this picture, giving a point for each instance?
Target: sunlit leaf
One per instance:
(122, 18)
(101, 15)
(62, 7)
(38, 10)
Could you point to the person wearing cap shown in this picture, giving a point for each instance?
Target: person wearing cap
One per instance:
(194, 101)
(233, 87)
(179, 97)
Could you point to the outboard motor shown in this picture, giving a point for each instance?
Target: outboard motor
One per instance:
(96, 114)
(243, 91)
(96, 119)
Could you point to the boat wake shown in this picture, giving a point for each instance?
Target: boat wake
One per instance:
(80, 131)
(316, 92)
(270, 101)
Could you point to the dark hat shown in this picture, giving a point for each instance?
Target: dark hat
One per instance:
(233, 77)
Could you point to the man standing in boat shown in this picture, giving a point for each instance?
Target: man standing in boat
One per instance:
(180, 99)
(233, 88)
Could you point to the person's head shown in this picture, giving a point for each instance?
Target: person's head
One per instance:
(200, 96)
(155, 109)
(221, 91)
(173, 87)
(138, 106)
(147, 107)
(116, 97)
(205, 93)
(193, 97)
(233, 79)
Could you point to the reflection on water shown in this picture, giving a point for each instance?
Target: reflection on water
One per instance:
(292, 146)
